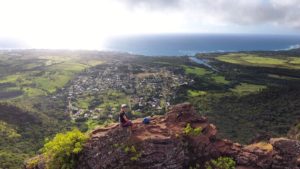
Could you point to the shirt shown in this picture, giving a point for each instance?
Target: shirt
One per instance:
(122, 117)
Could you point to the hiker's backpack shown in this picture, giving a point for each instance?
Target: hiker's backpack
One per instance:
(146, 120)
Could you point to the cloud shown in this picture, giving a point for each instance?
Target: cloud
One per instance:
(87, 24)
(153, 4)
(240, 12)
(7, 43)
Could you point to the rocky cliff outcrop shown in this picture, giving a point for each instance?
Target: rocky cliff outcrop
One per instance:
(163, 144)
(167, 143)
(294, 132)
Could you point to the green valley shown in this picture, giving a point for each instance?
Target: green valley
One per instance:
(44, 92)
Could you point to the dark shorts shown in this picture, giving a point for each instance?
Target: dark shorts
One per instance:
(127, 124)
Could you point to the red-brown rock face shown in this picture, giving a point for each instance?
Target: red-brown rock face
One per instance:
(162, 144)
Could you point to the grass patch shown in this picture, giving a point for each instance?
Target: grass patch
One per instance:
(196, 93)
(246, 88)
(257, 60)
(253, 59)
(94, 62)
(199, 71)
(69, 66)
(195, 70)
(11, 88)
(57, 72)
(10, 78)
(31, 92)
(262, 145)
(84, 102)
(37, 83)
(51, 81)
(137, 113)
(220, 79)
(92, 124)
(294, 60)
(282, 77)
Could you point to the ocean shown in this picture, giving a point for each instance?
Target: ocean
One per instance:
(190, 44)
(187, 44)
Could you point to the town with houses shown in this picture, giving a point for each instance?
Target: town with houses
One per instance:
(97, 92)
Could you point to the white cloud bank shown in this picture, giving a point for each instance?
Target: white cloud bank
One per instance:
(241, 12)
(87, 23)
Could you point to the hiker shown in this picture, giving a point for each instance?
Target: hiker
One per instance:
(179, 115)
(124, 121)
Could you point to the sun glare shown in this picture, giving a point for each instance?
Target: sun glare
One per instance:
(77, 24)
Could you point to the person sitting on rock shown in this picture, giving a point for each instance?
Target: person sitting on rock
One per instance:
(180, 114)
(124, 121)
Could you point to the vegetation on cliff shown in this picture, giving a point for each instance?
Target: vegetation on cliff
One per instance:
(61, 152)
(221, 163)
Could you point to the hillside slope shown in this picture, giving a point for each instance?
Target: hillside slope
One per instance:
(179, 142)
(22, 133)
(271, 112)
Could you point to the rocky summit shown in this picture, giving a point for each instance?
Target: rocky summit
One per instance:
(180, 139)
(164, 144)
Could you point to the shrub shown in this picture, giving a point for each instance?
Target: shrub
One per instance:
(221, 163)
(188, 130)
(61, 152)
(132, 150)
(197, 166)
(129, 149)
(116, 145)
(135, 157)
(126, 149)
(32, 163)
(6, 132)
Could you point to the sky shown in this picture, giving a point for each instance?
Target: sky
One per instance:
(87, 24)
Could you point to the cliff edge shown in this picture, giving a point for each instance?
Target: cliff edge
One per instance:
(180, 139)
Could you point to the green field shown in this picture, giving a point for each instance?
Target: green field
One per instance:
(220, 79)
(262, 61)
(246, 88)
(43, 75)
(283, 77)
(195, 93)
(195, 70)
(202, 72)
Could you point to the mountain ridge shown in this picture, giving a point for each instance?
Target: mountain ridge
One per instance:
(180, 139)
